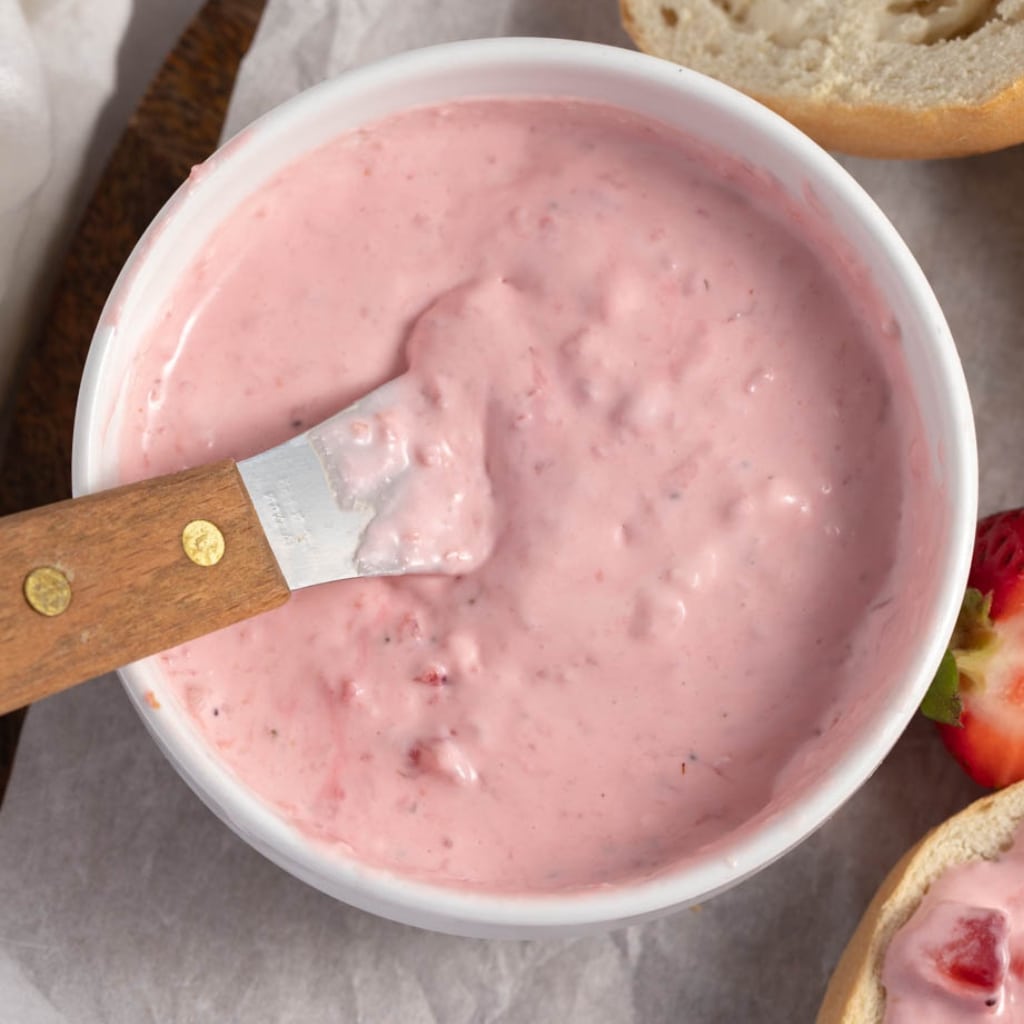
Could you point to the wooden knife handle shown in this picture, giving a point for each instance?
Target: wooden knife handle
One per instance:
(91, 584)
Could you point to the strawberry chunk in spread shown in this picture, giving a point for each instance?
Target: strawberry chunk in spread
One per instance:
(974, 956)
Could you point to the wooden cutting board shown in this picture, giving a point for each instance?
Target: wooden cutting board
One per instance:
(177, 125)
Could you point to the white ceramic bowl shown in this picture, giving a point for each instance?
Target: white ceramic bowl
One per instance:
(708, 111)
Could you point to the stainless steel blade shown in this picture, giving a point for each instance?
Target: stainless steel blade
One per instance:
(347, 498)
(313, 538)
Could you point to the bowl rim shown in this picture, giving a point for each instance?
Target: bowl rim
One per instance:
(463, 911)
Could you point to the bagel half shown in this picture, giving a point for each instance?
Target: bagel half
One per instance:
(879, 78)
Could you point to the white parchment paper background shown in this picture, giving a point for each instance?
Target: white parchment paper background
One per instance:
(123, 900)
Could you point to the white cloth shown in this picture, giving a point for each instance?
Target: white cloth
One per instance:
(24, 130)
(71, 71)
(25, 151)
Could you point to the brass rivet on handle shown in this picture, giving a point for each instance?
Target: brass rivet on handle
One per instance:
(47, 590)
(203, 542)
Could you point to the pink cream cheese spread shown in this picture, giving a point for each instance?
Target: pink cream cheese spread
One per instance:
(960, 957)
(689, 518)
(413, 455)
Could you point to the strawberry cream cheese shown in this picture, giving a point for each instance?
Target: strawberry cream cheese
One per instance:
(960, 957)
(412, 452)
(683, 520)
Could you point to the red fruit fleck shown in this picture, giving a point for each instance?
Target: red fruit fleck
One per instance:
(978, 698)
(436, 675)
(351, 691)
(1017, 965)
(440, 757)
(409, 627)
(973, 955)
(334, 792)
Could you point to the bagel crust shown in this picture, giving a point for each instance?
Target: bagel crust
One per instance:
(904, 134)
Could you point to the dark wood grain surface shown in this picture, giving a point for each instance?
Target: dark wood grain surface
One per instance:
(177, 125)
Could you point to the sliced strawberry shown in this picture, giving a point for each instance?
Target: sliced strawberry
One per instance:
(977, 696)
(991, 751)
(997, 567)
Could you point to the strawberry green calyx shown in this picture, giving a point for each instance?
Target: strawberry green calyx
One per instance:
(963, 665)
(942, 701)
